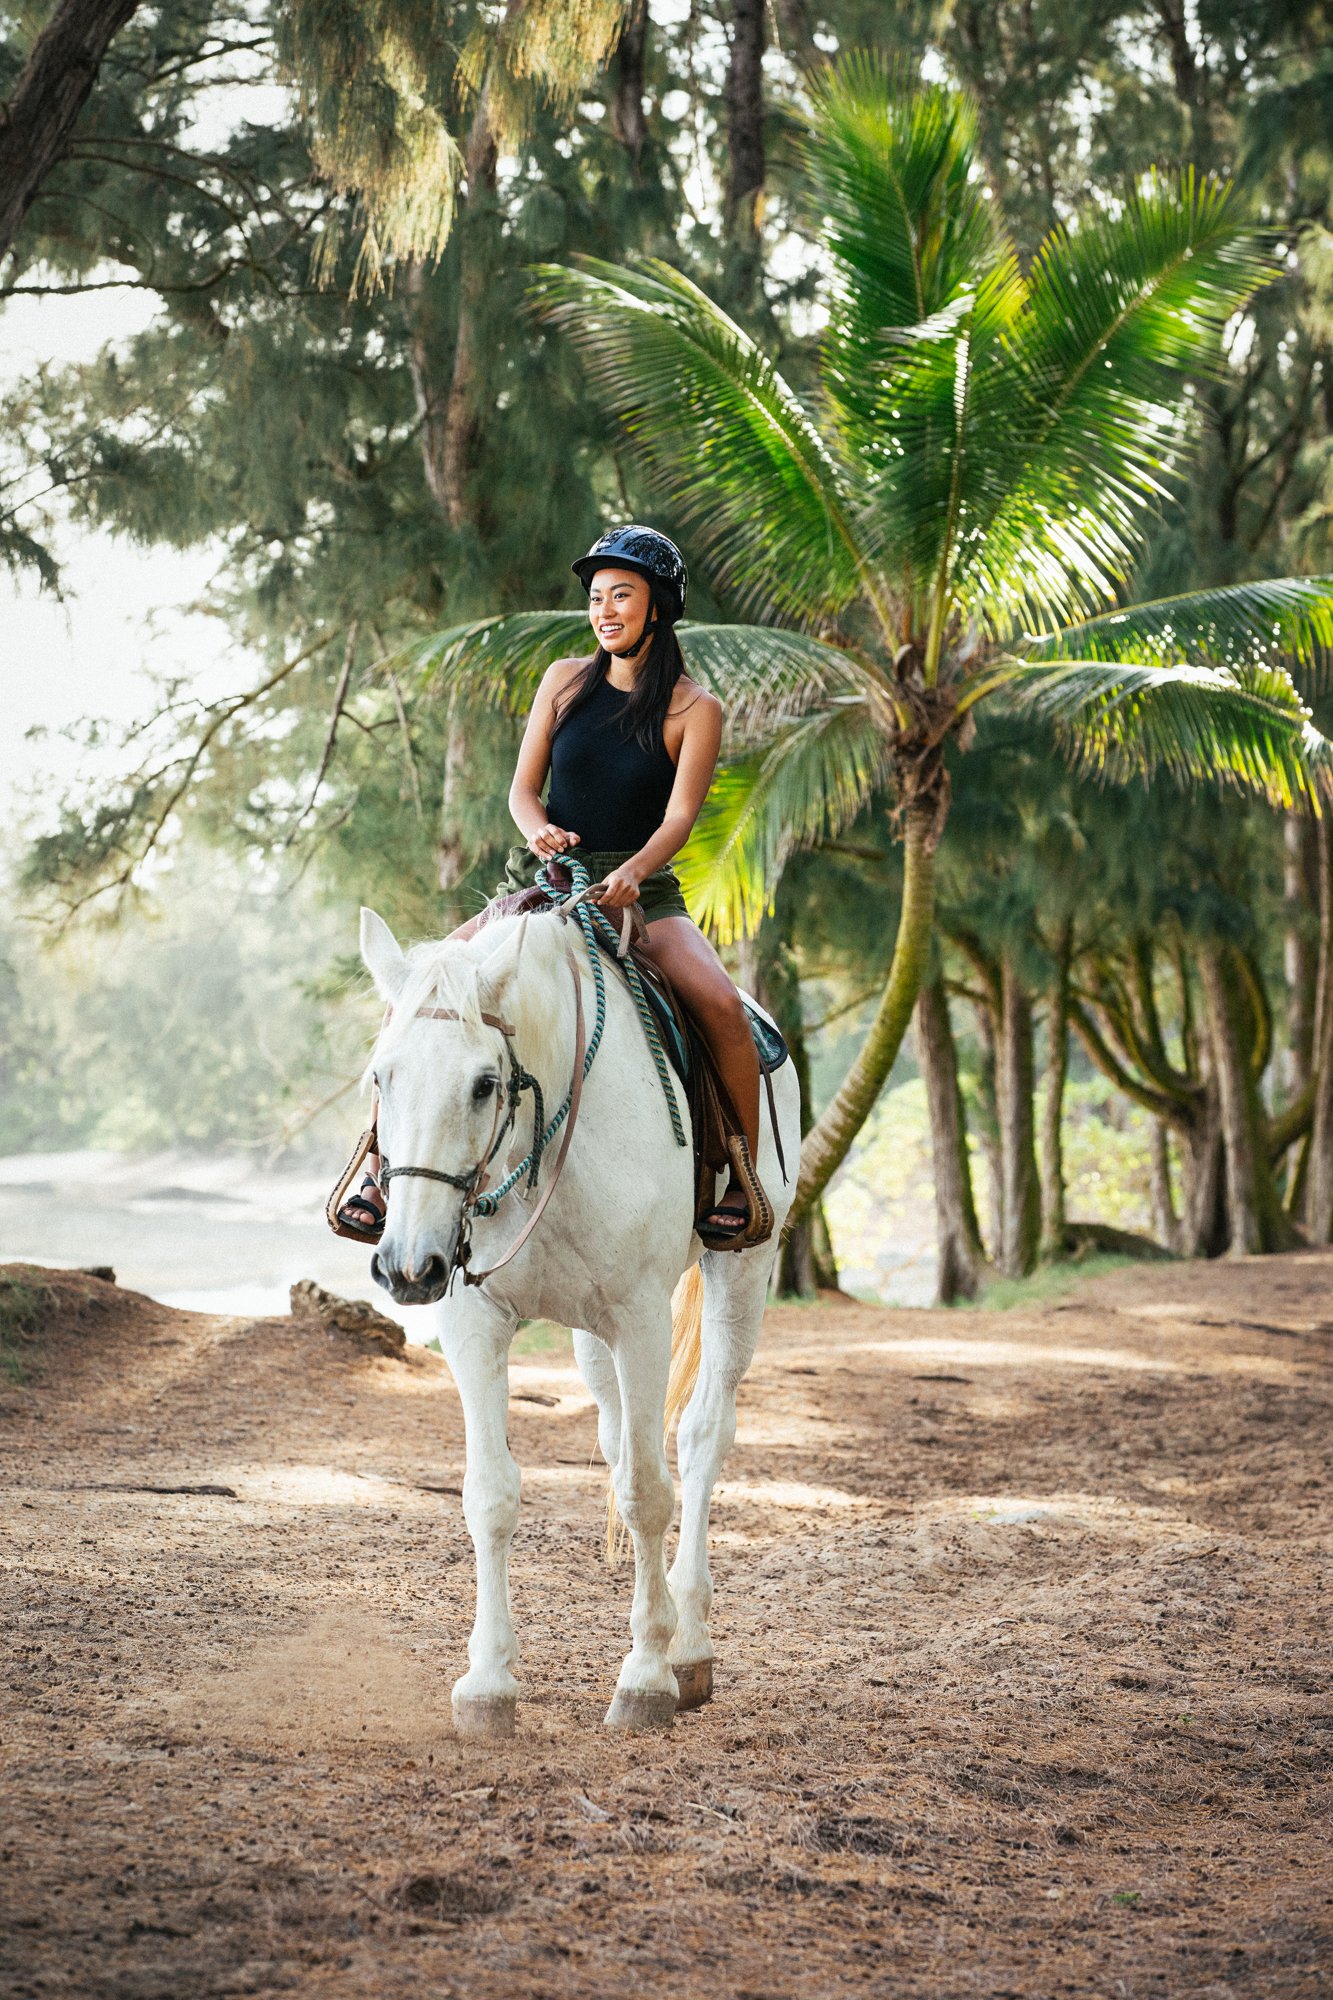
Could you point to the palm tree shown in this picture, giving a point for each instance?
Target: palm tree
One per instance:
(947, 521)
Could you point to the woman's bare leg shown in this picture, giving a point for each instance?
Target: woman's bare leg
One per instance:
(705, 986)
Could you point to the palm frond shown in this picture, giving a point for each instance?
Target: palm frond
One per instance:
(1284, 617)
(924, 426)
(717, 427)
(1244, 726)
(807, 786)
(890, 170)
(498, 661)
(764, 676)
(1088, 418)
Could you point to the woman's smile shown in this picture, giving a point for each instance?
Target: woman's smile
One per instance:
(619, 601)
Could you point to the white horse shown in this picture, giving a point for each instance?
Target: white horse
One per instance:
(605, 1254)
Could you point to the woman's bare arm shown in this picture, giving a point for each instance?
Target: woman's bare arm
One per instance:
(534, 762)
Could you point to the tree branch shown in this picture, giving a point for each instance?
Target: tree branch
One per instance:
(36, 124)
(1157, 1101)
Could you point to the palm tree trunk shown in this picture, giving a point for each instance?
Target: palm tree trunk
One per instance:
(766, 968)
(1021, 1233)
(828, 1142)
(958, 1239)
(1053, 1104)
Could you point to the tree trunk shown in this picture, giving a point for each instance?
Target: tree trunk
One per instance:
(958, 1239)
(796, 36)
(1318, 1208)
(988, 1126)
(829, 1140)
(1166, 1223)
(1053, 1101)
(462, 419)
(421, 352)
(1021, 1234)
(452, 858)
(628, 123)
(1299, 954)
(744, 186)
(1255, 1220)
(1206, 1228)
(36, 124)
(766, 968)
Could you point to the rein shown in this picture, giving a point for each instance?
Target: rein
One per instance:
(477, 1198)
(473, 1181)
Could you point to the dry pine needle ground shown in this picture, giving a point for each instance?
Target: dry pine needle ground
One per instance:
(1023, 1689)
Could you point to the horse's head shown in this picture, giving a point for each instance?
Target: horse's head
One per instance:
(442, 1072)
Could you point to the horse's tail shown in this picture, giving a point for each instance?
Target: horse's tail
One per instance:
(687, 1318)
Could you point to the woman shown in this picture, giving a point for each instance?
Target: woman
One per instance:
(630, 743)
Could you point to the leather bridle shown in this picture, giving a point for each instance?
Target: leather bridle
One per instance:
(473, 1182)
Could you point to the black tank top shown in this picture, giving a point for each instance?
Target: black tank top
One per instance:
(605, 786)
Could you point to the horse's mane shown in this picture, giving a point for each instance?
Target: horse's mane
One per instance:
(446, 972)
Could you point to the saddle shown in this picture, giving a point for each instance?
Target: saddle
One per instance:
(720, 1145)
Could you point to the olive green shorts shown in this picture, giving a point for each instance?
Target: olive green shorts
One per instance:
(659, 893)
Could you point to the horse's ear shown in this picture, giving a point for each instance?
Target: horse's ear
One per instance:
(496, 972)
(383, 955)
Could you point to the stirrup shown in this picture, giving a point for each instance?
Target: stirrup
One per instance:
(365, 1145)
(759, 1209)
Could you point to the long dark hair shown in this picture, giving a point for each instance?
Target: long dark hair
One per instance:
(660, 668)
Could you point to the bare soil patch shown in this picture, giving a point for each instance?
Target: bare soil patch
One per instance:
(1024, 1680)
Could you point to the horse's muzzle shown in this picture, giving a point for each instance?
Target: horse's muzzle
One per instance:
(421, 1286)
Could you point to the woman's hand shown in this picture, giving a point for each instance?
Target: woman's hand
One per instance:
(619, 888)
(548, 841)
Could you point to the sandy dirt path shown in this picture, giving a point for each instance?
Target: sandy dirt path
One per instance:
(1023, 1690)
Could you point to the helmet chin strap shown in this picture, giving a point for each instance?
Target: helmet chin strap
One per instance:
(650, 626)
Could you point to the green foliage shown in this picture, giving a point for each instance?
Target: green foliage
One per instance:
(191, 1026)
(908, 441)
(23, 1305)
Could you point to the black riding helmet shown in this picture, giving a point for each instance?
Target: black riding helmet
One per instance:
(653, 555)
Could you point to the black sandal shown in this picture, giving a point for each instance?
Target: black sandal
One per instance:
(373, 1228)
(724, 1224)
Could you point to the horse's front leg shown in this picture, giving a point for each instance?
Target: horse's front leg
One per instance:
(645, 1696)
(475, 1335)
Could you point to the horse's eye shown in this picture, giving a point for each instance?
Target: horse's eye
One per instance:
(482, 1088)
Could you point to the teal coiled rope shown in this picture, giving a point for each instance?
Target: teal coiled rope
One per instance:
(597, 929)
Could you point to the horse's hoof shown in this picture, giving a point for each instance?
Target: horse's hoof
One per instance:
(488, 1715)
(641, 1711)
(694, 1684)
